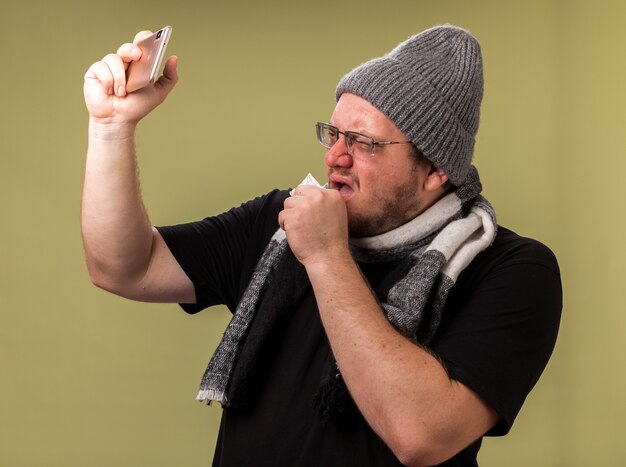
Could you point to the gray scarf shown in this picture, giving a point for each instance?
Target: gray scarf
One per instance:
(433, 249)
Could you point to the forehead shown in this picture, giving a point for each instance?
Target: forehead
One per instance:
(355, 113)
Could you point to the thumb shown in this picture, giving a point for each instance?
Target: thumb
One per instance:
(168, 80)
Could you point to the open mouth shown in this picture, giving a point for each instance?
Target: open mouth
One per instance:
(344, 189)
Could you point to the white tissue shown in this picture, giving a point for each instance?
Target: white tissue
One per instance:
(308, 180)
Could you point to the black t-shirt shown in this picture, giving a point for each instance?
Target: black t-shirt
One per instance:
(497, 332)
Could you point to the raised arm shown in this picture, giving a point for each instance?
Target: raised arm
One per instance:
(124, 253)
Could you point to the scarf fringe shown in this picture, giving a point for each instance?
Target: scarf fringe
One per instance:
(206, 396)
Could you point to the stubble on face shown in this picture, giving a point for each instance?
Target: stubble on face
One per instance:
(393, 209)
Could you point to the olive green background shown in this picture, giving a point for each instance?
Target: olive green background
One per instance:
(87, 378)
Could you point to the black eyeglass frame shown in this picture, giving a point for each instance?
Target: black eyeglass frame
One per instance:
(351, 137)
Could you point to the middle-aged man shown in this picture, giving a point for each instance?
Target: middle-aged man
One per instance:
(383, 320)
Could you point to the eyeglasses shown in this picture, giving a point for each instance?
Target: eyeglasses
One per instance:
(357, 144)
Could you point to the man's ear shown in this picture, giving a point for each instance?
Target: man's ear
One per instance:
(435, 178)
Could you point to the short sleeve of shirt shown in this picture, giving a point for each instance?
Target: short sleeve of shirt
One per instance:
(219, 253)
(501, 323)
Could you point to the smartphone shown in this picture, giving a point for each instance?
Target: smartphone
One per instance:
(146, 70)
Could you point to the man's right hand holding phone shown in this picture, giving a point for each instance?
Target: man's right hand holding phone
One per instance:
(124, 254)
(105, 87)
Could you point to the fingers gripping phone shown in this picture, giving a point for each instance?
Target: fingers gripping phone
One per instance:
(146, 70)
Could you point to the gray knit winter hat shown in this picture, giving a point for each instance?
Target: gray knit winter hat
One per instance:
(430, 86)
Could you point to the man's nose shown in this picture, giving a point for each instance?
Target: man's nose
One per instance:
(337, 155)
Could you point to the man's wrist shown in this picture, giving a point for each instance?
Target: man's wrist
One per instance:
(330, 264)
(105, 130)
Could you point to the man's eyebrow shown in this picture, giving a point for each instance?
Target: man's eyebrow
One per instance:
(357, 128)
(367, 132)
